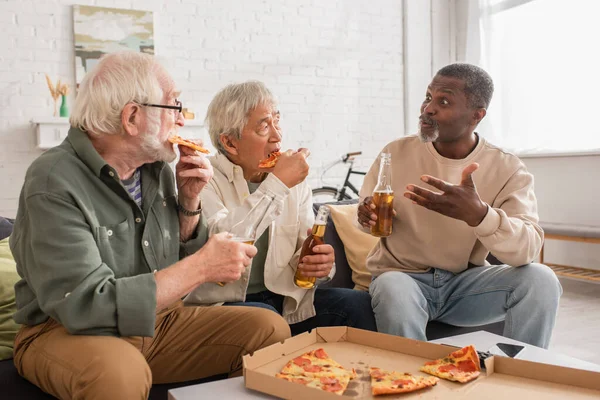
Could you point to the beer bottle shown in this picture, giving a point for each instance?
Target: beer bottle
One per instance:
(245, 230)
(383, 198)
(316, 238)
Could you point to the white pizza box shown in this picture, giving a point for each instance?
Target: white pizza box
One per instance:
(504, 378)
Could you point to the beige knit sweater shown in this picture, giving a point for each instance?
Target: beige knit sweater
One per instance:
(422, 238)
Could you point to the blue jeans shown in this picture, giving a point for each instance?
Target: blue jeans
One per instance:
(525, 297)
(334, 307)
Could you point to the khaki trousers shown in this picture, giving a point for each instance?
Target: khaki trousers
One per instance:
(188, 343)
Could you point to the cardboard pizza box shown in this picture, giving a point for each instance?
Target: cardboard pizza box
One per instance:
(504, 378)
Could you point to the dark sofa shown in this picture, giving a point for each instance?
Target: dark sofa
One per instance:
(13, 386)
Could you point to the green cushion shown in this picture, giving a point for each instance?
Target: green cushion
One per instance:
(8, 278)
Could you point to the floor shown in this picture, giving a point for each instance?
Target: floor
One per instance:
(577, 330)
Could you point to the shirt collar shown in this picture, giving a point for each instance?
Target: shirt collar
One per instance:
(86, 151)
(227, 167)
(89, 155)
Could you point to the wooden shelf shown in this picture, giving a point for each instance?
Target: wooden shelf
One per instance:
(576, 272)
(51, 131)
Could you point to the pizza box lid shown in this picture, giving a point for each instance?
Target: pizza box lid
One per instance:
(359, 349)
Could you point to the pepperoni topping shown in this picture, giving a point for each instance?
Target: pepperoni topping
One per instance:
(312, 368)
(467, 366)
(333, 388)
(447, 368)
(401, 382)
(377, 374)
(320, 353)
(301, 361)
(431, 362)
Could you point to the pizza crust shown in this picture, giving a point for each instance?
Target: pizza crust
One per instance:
(179, 140)
(333, 384)
(391, 382)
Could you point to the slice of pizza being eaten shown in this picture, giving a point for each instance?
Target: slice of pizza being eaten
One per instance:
(390, 382)
(459, 366)
(187, 143)
(270, 161)
(333, 384)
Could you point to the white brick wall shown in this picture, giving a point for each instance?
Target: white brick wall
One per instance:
(336, 67)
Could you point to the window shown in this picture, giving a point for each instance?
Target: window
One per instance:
(544, 56)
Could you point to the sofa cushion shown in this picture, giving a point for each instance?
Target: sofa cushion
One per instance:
(8, 278)
(6, 227)
(357, 244)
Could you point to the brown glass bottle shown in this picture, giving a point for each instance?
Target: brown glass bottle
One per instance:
(315, 239)
(383, 198)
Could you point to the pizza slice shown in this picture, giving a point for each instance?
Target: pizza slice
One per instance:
(390, 382)
(184, 142)
(316, 363)
(333, 384)
(270, 161)
(459, 366)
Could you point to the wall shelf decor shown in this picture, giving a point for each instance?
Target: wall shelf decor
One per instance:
(51, 131)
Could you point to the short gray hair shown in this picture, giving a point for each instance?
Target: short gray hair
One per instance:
(479, 86)
(118, 79)
(228, 111)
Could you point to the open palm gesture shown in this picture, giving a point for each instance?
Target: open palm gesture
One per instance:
(456, 201)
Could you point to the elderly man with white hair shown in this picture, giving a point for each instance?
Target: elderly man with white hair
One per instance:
(108, 241)
(243, 122)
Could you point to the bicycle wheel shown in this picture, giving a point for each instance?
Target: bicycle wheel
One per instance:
(327, 194)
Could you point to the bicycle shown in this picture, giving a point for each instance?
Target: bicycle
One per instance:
(330, 194)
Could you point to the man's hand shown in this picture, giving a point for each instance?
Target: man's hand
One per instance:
(193, 172)
(222, 259)
(366, 213)
(456, 201)
(292, 168)
(320, 264)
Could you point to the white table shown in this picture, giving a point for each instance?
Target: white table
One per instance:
(234, 389)
(483, 341)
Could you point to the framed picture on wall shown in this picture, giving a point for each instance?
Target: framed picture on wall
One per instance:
(100, 30)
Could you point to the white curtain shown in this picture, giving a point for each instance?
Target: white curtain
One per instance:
(542, 55)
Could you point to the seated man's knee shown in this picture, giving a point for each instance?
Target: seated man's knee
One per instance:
(542, 278)
(270, 325)
(128, 377)
(392, 287)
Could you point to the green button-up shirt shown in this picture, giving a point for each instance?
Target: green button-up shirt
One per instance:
(85, 251)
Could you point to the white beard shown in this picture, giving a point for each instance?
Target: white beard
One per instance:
(152, 146)
(428, 137)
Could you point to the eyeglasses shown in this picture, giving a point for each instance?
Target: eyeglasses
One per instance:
(177, 106)
(187, 114)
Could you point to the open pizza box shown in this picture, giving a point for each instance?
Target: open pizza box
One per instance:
(503, 378)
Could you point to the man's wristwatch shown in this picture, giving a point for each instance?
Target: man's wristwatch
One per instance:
(189, 213)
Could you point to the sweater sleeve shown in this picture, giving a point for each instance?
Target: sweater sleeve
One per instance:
(510, 230)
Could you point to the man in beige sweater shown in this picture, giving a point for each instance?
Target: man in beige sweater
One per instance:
(458, 198)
